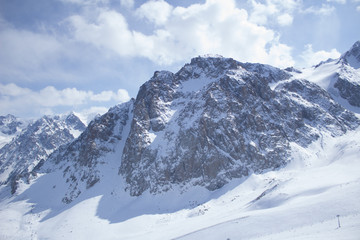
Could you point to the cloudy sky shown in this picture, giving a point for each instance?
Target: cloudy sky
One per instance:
(88, 55)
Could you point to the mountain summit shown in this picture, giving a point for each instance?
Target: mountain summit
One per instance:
(218, 119)
(352, 57)
(213, 121)
(339, 77)
(10, 126)
(34, 144)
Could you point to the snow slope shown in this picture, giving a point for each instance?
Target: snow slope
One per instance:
(301, 201)
(340, 77)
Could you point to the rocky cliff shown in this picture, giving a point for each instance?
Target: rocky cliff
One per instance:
(34, 144)
(213, 121)
(218, 119)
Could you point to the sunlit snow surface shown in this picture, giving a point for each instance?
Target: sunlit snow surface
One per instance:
(300, 201)
(324, 75)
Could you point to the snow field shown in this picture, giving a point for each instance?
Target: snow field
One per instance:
(300, 201)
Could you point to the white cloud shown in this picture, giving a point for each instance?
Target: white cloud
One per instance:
(110, 31)
(325, 9)
(89, 114)
(285, 19)
(311, 58)
(261, 12)
(288, 4)
(181, 33)
(271, 11)
(16, 100)
(281, 55)
(157, 11)
(120, 96)
(337, 1)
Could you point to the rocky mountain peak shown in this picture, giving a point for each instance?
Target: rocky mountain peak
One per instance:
(79, 159)
(352, 57)
(7, 118)
(206, 66)
(72, 120)
(214, 63)
(9, 124)
(213, 121)
(218, 119)
(33, 145)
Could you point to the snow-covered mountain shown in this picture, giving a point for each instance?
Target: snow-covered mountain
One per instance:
(221, 149)
(213, 121)
(352, 57)
(218, 119)
(34, 144)
(80, 160)
(10, 126)
(340, 77)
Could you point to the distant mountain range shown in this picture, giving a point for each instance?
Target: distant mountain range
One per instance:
(33, 144)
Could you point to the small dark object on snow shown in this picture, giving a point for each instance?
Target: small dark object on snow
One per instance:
(338, 217)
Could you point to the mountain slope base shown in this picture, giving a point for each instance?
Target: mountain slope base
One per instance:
(300, 201)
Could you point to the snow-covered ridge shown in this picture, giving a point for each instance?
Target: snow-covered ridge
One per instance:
(340, 77)
(10, 126)
(34, 144)
(352, 57)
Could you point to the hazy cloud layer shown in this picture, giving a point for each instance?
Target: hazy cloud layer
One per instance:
(325, 9)
(312, 58)
(181, 33)
(18, 100)
(270, 11)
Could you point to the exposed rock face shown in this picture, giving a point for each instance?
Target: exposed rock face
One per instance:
(10, 127)
(9, 124)
(348, 90)
(218, 119)
(35, 143)
(79, 159)
(214, 120)
(352, 57)
(340, 77)
(292, 70)
(347, 79)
